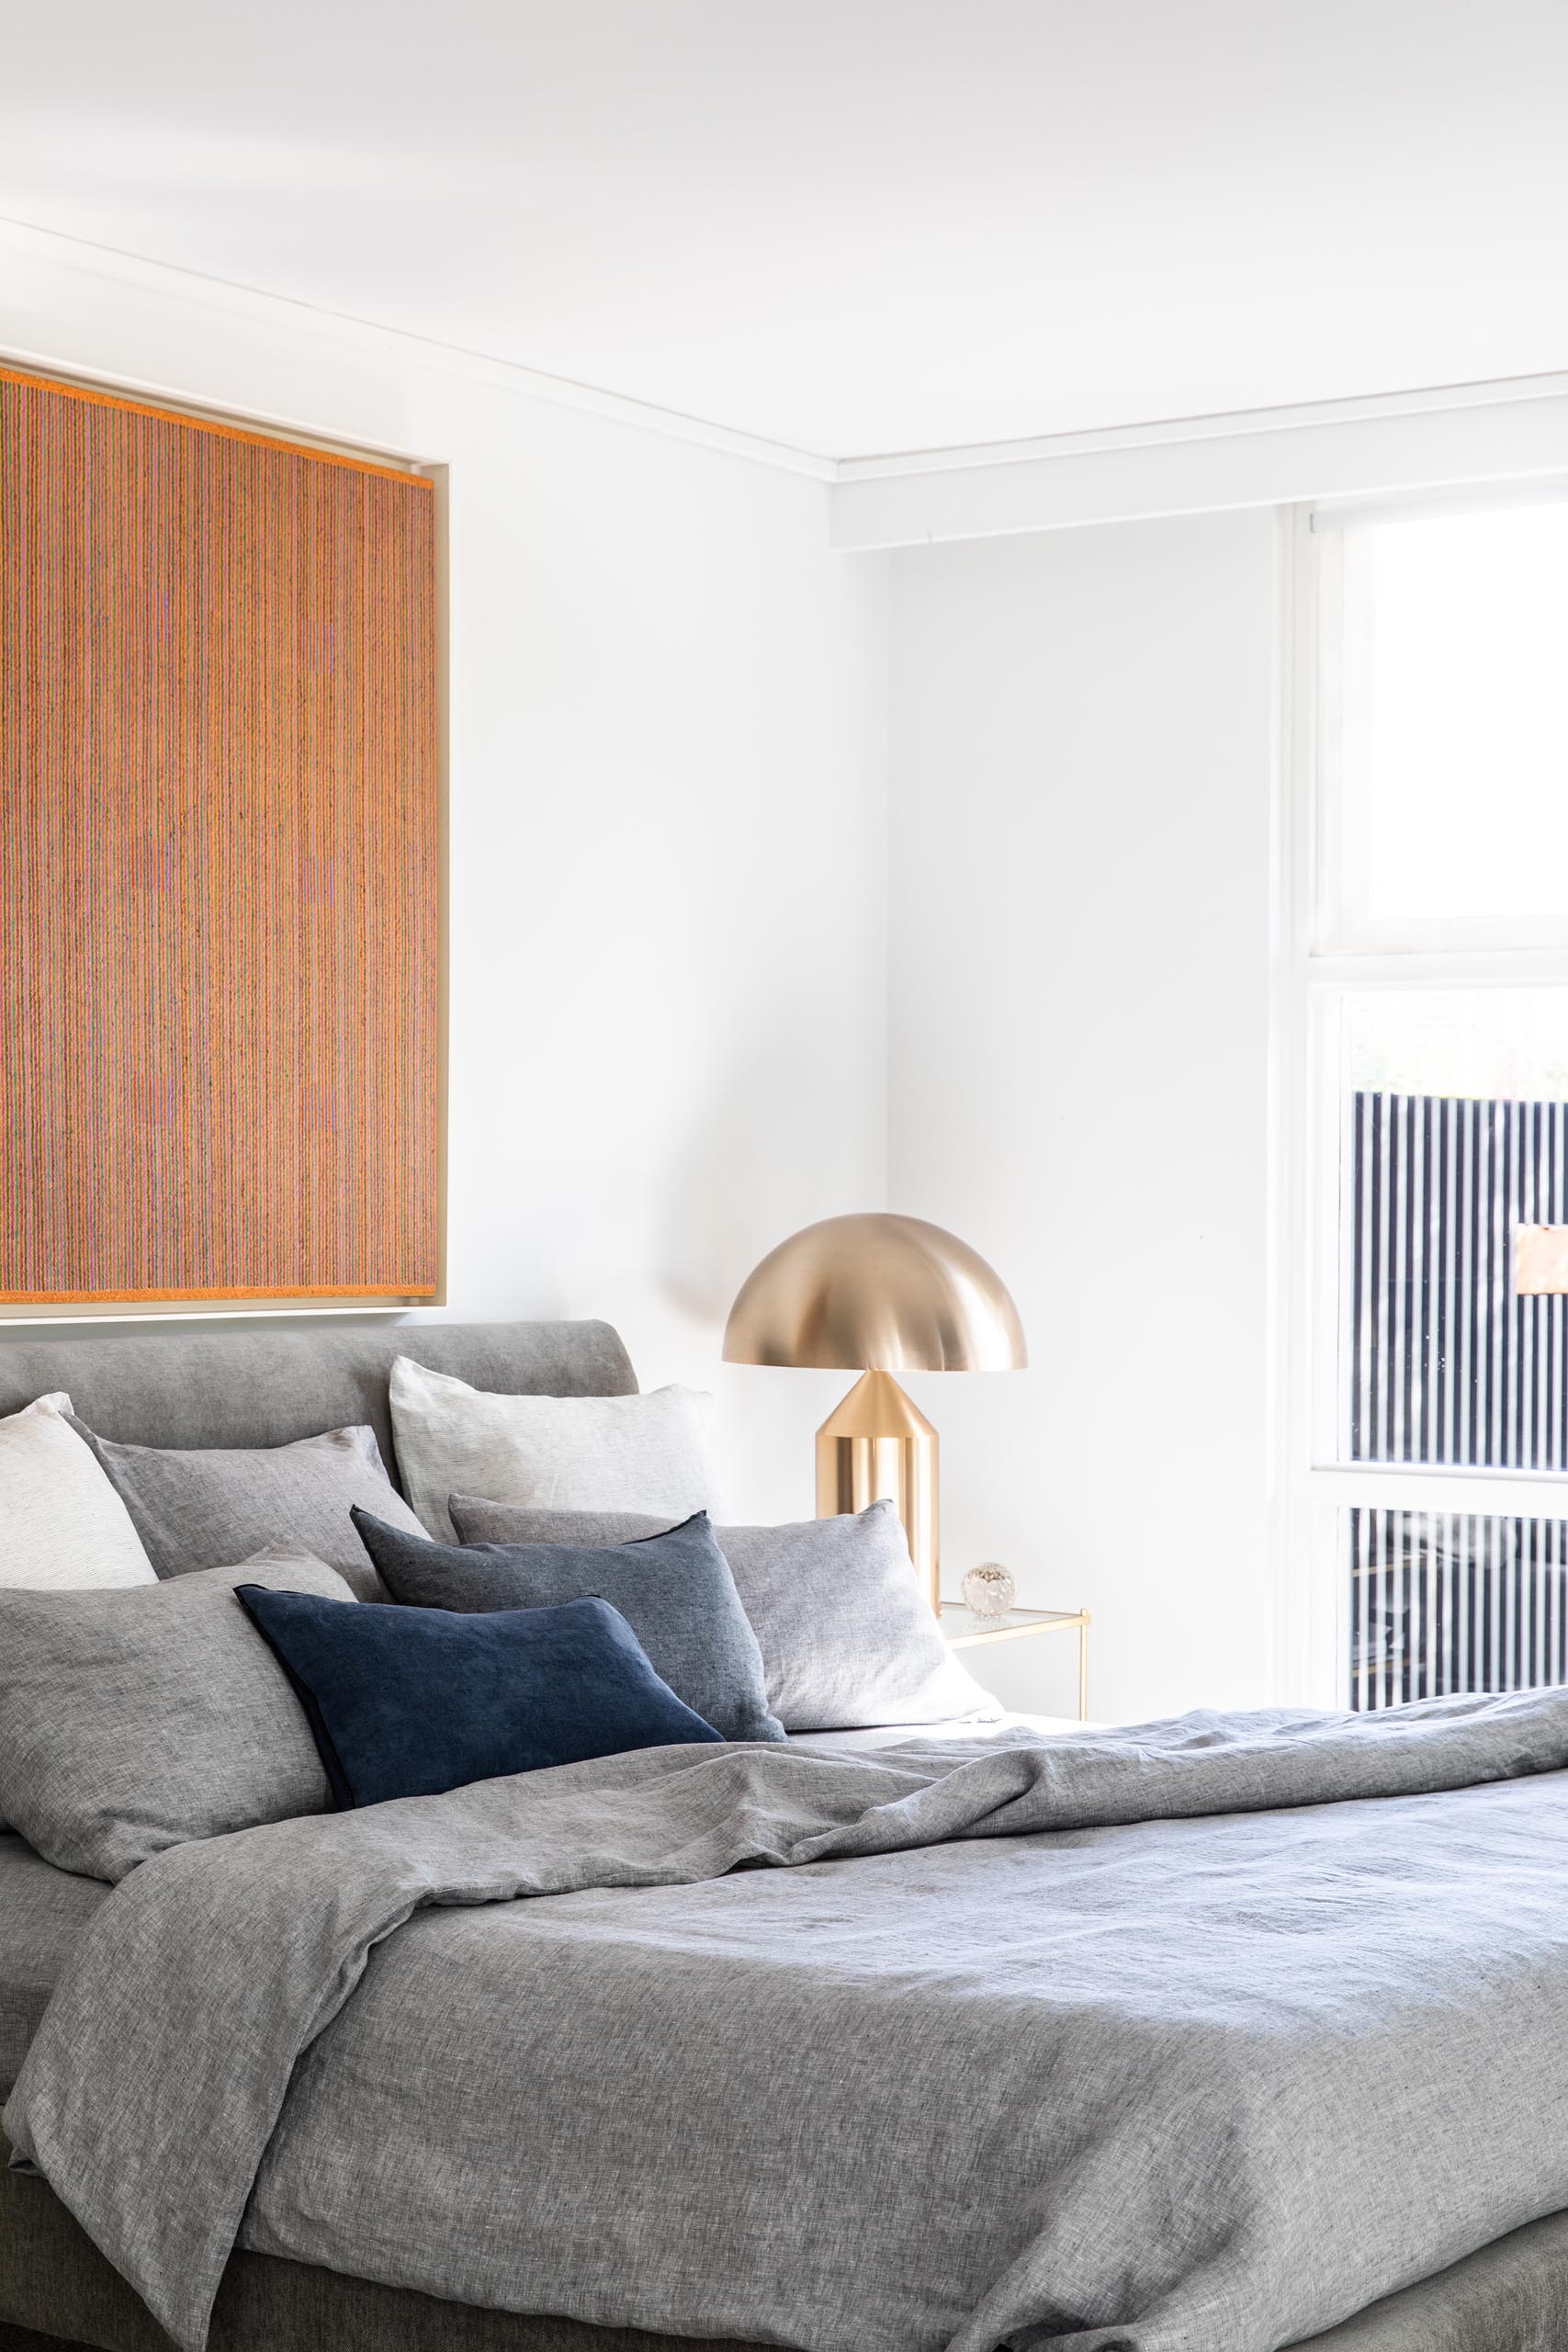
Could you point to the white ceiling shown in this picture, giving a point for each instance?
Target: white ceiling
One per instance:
(853, 226)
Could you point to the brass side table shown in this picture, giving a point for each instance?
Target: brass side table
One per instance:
(963, 1631)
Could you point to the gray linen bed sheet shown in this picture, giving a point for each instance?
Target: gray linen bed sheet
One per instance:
(1080, 2042)
(43, 1910)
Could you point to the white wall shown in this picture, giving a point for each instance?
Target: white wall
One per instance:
(1078, 1071)
(672, 1039)
(668, 902)
(669, 896)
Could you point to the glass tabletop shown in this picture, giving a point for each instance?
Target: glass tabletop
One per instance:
(958, 1617)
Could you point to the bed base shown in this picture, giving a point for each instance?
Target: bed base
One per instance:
(59, 2294)
(55, 2286)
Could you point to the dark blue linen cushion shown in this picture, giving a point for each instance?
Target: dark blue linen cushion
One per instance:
(416, 1701)
(675, 1590)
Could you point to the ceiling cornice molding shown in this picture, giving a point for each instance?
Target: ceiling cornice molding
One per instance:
(1160, 433)
(1422, 437)
(47, 246)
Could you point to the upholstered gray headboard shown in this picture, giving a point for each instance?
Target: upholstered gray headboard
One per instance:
(264, 1387)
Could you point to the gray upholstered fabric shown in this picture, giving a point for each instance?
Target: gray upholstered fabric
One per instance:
(42, 1912)
(946, 2077)
(52, 2275)
(676, 1591)
(134, 1719)
(846, 1635)
(264, 1385)
(206, 1505)
(1511, 2296)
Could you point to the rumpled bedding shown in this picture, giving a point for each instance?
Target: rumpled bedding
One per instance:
(1191, 2038)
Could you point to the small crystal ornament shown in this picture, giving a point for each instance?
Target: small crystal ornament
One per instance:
(989, 1591)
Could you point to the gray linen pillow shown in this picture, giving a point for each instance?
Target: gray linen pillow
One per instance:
(674, 1588)
(199, 1508)
(847, 1638)
(144, 1716)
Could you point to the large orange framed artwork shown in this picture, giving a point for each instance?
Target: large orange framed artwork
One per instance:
(220, 894)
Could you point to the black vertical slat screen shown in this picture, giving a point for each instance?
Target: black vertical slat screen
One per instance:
(1444, 1601)
(1448, 1366)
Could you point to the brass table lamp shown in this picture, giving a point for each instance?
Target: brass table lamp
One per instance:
(880, 1294)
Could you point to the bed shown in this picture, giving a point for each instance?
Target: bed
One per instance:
(729, 1962)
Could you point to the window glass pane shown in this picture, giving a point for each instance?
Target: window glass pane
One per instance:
(1453, 1229)
(1442, 1601)
(1509, 1042)
(1454, 749)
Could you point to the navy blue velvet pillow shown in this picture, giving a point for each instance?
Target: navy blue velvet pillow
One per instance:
(412, 1702)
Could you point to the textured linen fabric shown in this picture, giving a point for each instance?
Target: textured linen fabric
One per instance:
(847, 1638)
(642, 1452)
(203, 1507)
(62, 1524)
(133, 1720)
(185, 1387)
(408, 1702)
(675, 1590)
(42, 1912)
(1193, 2037)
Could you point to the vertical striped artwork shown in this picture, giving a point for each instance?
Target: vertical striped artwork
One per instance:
(1448, 1363)
(218, 862)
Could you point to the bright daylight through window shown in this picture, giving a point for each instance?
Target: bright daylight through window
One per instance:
(1438, 1006)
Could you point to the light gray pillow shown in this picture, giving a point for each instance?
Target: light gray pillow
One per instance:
(639, 1453)
(848, 1640)
(198, 1508)
(147, 1715)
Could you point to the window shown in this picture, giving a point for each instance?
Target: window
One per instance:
(1448, 742)
(1429, 1427)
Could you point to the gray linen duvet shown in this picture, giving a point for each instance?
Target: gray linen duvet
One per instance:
(1088, 2043)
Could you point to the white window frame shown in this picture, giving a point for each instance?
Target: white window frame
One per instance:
(1316, 960)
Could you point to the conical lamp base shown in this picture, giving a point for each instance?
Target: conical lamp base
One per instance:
(878, 1443)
